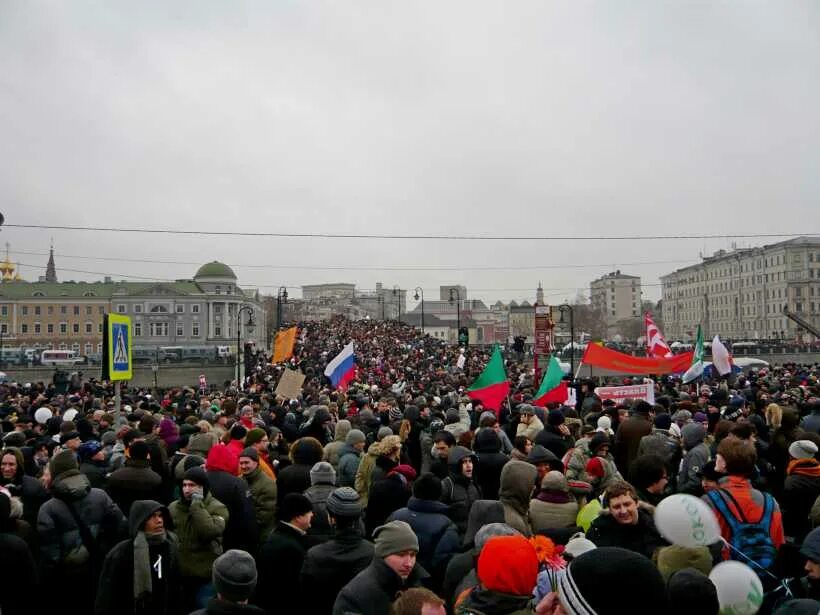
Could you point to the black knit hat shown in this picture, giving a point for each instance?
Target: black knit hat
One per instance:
(595, 583)
(597, 441)
(251, 453)
(691, 591)
(198, 475)
(294, 505)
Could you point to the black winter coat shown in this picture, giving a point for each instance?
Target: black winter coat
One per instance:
(116, 586)
(459, 493)
(330, 566)
(437, 534)
(97, 473)
(293, 479)
(136, 481)
(641, 538)
(799, 495)
(18, 582)
(553, 440)
(241, 530)
(279, 564)
(216, 606)
(386, 496)
(372, 591)
(489, 463)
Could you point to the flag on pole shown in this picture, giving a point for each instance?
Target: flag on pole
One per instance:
(283, 346)
(342, 368)
(695, 371)
(656, 346)
(721, 358)
(553, 386)
(492, 385)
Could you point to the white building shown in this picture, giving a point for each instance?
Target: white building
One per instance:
(616, 296)
(741, 294)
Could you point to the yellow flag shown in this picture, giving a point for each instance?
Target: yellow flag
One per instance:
(283, 346)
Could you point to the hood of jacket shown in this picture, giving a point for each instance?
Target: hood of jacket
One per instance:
(222, 459)
(427, 506)
(141, 510)
(692, 435)
(71, 485)
(456, 456)
(487, 441)
(517, 483)
(343, 427)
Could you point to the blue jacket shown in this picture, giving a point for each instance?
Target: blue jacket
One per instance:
(349, 459)
(437, 534)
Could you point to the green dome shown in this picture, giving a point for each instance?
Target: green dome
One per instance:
(215, 269)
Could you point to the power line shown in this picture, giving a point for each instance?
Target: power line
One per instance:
(255, 285)
(351, 268)
(412, 237)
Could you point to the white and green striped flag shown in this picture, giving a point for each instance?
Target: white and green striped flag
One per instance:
(695, 370)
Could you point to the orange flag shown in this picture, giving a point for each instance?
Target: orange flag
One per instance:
(283, 346)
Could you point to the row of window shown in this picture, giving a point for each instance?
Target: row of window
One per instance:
(179, 308)
(64, 309)
(62, 327)
(160, 329)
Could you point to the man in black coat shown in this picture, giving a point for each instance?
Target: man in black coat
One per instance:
(392, 570)
(141, 574)
(19, 579)
(555, 436)
(330, 566)
(490, 462)
(135, 481)
(280, 558)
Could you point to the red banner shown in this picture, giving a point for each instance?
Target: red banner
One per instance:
(604, 358)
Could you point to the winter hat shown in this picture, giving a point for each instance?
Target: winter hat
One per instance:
(383, 433)
(88, 449)
(16, 439)
(526, 409)
(395, 414)
(595, 468)
(539, 454)
(451, 416)
(691, 591)
(663, 420)
(811, 545)
(322, 473)
(642, 407)
(555, 417)
(294, 505)
(234, 575)
(251, 453)
(491, 530)
(605, 423)
(673, 558)
(700, 417)
(594, 582)
(508, 565)
(198, 475)
(394, 537)
(578, 545)
(803, 449)
(597, 441)
(344, 502)
(109, 438)
(254, 436)
(554, 481)
(70, 435)
(682, 416)
(238, 431)
(62, 462)
(354, 436)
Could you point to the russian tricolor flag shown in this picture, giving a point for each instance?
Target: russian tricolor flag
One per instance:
(342, 368)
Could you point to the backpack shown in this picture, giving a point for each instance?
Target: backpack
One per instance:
(750, 538)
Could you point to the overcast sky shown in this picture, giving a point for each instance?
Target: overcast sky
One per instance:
(475, 117)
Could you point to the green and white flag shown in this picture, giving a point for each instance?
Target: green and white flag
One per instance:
(695, 371)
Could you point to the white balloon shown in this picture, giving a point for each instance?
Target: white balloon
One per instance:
(686, 521)
(42, 415)
(70, 414)
(739, 589)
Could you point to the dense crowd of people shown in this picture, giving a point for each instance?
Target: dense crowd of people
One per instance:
(401, 494)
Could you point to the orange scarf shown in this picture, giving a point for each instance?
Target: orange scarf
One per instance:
(804, 467)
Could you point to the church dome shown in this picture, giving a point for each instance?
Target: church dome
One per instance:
(215, 269)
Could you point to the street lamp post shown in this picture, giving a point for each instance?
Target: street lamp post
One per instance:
(420, 291)
(566, 307)
(281, 297)
(458, 309)
(250, 324)
(397, 295)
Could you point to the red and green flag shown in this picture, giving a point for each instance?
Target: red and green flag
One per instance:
(492, 385)
(553, 386)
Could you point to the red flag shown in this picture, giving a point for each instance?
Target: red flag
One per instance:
(620, 363)
(559, 394)
(656, 346)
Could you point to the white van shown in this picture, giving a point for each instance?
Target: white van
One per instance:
(60, 357)
(223, 352)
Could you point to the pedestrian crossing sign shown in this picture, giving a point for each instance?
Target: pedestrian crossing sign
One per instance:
(119, 363)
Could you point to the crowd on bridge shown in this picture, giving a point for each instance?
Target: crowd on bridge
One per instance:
(400, 494)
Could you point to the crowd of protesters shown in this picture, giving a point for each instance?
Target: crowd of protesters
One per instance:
(401, 494)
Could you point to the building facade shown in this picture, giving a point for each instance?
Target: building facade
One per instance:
(742, 294)
(616, 296)
(69, 315)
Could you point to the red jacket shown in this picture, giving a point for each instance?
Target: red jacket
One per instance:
(751, 503)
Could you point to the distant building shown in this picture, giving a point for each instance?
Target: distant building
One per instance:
(741, 294)
(69, 315)
(616, 296)
(341, 290)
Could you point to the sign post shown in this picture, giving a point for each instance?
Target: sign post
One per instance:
(117, 356)
(543, 327)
